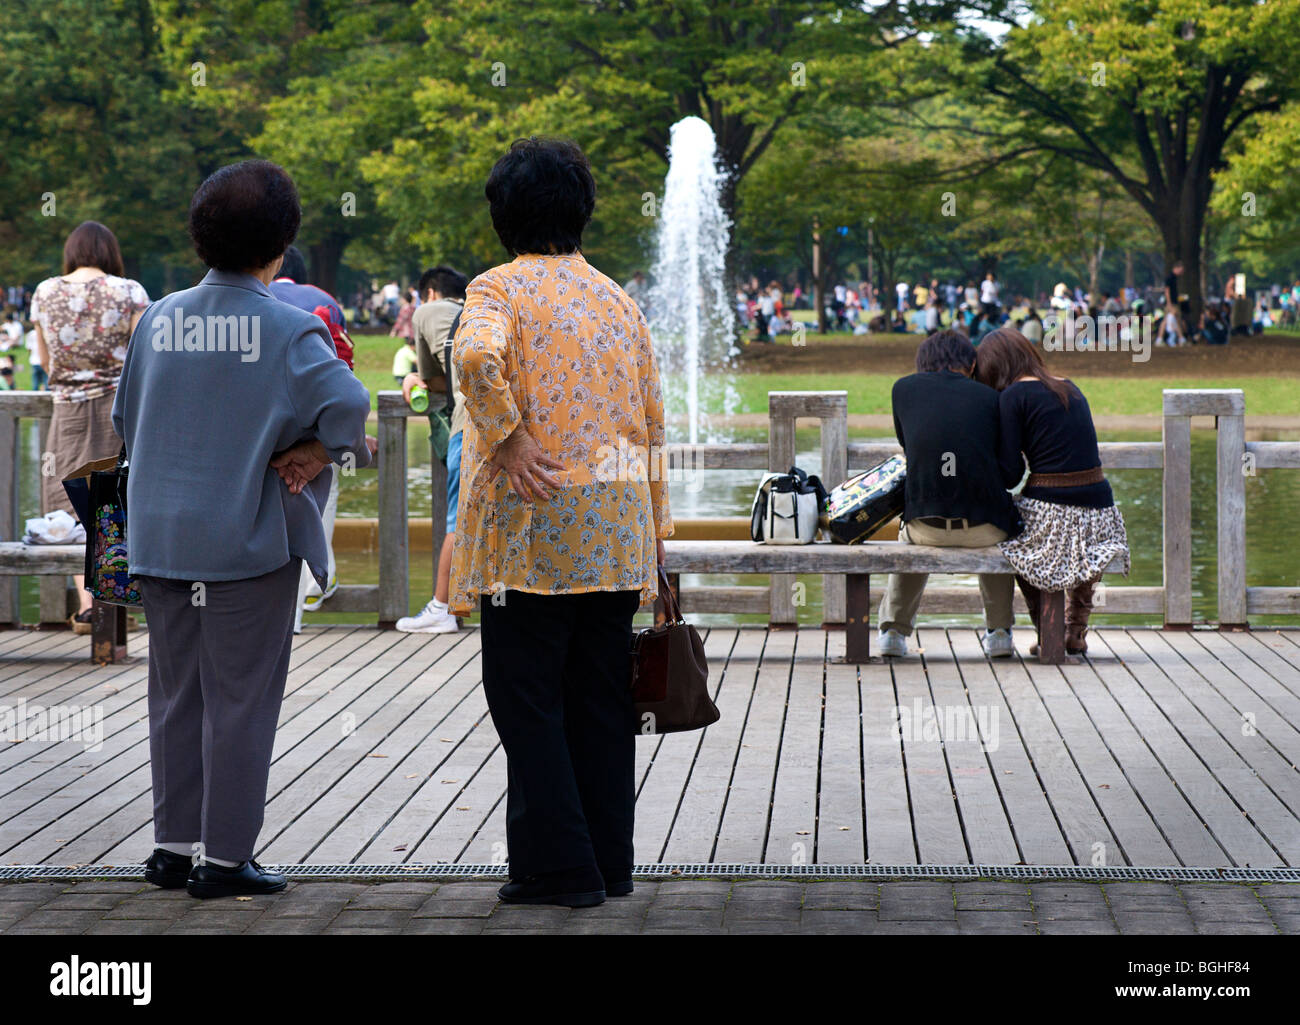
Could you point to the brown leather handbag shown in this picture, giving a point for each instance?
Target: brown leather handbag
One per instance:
(670, 675)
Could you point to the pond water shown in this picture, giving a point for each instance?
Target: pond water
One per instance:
(1272, 497)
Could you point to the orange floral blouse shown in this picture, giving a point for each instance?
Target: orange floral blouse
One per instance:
(552, 342)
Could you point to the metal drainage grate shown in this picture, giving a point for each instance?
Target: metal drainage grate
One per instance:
(728, 870)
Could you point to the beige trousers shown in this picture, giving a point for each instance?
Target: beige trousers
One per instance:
(904, 590)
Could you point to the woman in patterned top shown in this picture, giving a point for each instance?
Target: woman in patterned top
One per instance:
(560, 524)
(84, 320)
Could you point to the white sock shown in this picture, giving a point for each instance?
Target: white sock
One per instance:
(186, 850)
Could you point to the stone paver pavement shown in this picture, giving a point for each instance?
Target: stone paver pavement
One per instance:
(104, 907)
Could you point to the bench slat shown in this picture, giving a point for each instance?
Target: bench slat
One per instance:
(18, 559)
(869, 557)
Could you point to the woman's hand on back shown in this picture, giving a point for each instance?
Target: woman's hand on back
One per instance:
(524, 462)
(301, 464)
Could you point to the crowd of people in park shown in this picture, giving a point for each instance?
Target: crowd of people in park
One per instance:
(976, 308)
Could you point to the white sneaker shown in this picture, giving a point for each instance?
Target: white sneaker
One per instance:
(998, 644)
(314, 598)
(432, 619)
(892, 644)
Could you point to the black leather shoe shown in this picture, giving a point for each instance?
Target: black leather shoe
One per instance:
(581, 888)
(618, 889)
(248, 878)
(168, 870)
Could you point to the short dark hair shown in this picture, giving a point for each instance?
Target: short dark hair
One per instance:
(294, 266)
(945, 350)
(446, 281)
(91, 244)
(244, 215)
(541, 194)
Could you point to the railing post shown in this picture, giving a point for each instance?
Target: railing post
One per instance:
(1231, 450)
(835, 468)
(10, 606)
(394, 543)
(780, 457)
(1177, 510)
(53, 601)
(831, 409)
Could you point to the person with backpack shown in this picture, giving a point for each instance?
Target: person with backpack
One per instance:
(443, 292)
(291, 287)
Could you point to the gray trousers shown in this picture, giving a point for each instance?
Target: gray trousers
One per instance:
(218, 659)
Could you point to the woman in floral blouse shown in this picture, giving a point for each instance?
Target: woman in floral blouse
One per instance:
(560, 524)
(84, 320)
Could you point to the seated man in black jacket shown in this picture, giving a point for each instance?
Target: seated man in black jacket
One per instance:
(955, 494)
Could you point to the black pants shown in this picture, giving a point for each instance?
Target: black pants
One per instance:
(556, 675)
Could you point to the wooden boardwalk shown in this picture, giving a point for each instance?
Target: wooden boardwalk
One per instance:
(1164, 749)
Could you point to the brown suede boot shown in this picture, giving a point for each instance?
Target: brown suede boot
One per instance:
(1078, 609)
(1033, 596)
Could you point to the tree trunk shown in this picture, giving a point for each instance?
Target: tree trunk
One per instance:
(1094, 270)
(1182, 244)
(819, 279)
(325, 259)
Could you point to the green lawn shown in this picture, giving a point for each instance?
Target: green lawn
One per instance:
(869, 393)
(1107, 396)
(373, 359)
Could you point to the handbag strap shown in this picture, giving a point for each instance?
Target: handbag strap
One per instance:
(672, 610)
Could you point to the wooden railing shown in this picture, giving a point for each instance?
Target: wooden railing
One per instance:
(390, 598)
(842, 458)
(1172, 600)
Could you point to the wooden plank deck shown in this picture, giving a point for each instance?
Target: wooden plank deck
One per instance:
(1162, 749)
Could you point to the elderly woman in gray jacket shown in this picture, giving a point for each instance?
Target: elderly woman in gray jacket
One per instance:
(231, 404)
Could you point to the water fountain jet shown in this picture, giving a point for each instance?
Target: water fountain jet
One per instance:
(691, 316)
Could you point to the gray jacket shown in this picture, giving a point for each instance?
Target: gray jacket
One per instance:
(217, 379)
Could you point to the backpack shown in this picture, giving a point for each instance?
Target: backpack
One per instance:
(338, 334)
(440, 419)
(787, 508)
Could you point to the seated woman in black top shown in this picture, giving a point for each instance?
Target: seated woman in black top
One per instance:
(1072, 530)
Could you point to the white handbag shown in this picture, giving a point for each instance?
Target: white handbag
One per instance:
(787, 509)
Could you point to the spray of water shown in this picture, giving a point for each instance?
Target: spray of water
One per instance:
(691, 316)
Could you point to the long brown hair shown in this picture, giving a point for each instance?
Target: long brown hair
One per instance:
(90, 244)
(1005, 355)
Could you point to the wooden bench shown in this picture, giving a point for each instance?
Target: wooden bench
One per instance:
(108, 623)
(857, 563)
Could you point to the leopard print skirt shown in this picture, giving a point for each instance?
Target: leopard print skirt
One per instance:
(1063, 546)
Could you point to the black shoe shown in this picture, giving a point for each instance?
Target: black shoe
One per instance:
(619, 889)
(168, 870)
(248, 878)
(581, 888)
